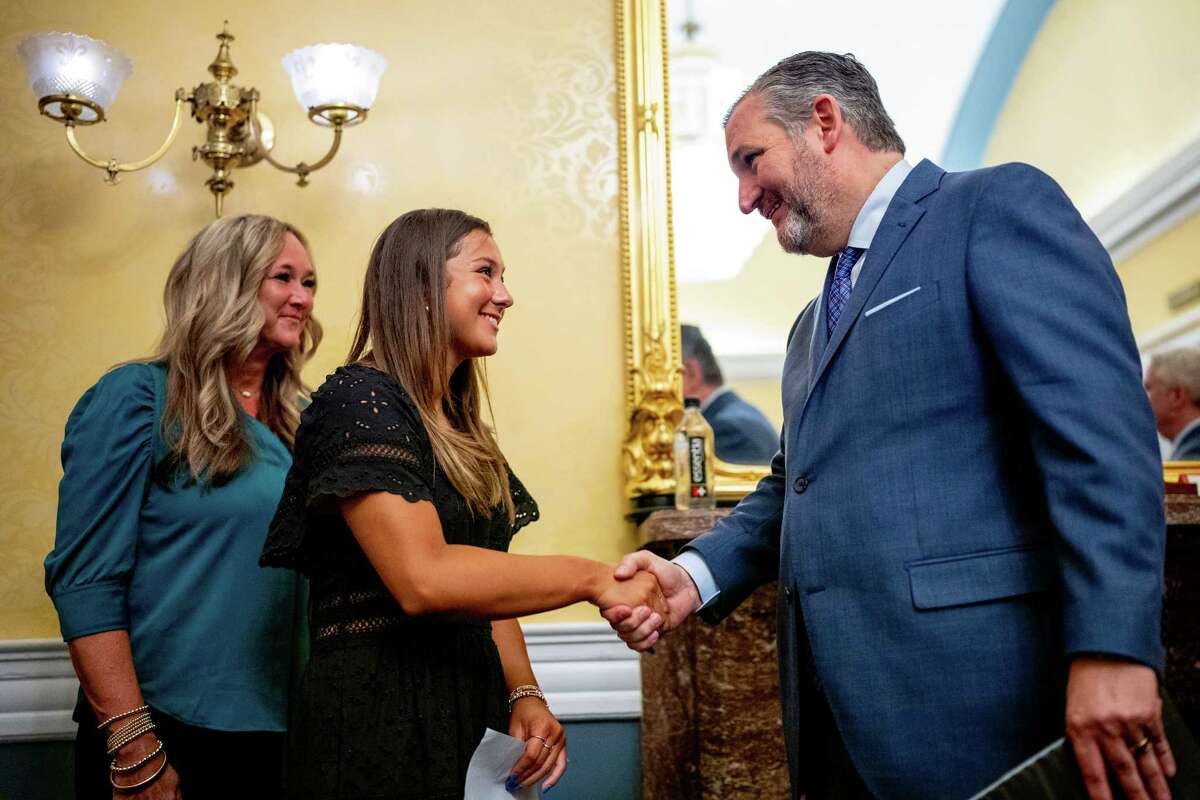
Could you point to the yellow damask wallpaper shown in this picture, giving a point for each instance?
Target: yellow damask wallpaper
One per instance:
(504, 109)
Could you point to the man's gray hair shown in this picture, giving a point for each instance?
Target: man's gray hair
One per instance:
(1179, 367)
(789, 89)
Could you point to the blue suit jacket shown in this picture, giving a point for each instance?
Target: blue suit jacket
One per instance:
(742, 433)
(1188, 448)
(968, 489)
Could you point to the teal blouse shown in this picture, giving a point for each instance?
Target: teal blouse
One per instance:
(176, 565)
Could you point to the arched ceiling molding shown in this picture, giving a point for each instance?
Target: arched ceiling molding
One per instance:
(1166, 196)
(1016, 28)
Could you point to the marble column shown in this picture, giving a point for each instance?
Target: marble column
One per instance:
(711, 724)
(1181, 607)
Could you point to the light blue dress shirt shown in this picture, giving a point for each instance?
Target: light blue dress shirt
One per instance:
(862, 233)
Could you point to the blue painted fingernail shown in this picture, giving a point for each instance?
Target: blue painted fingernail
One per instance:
(513, 783)
(547, 789)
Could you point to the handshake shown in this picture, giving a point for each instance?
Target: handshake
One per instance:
(645, 597)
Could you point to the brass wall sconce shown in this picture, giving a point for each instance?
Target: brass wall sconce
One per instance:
(76, 79)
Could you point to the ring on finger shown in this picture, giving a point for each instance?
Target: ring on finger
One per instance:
(1140, 745)
(535, 736)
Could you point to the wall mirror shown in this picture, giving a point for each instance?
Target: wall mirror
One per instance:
(691, 257)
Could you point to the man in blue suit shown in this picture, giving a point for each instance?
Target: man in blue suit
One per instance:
(741, 433)
(965, 516)
(1173, 386)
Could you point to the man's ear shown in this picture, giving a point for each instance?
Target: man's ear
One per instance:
(1178, 396)
(693, 376)
(826, 122)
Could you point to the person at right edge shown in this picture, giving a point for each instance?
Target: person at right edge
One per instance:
(965, 517)
(1173, 386)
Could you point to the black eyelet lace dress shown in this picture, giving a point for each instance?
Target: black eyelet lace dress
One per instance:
(389, 706)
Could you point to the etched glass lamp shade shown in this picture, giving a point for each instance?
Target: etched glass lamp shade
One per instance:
(75, 77)
(336, 83)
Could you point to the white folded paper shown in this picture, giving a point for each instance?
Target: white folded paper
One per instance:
(491, 766)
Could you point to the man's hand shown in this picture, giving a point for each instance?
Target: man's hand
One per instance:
(1114, 717)
(641, 590)
(642, 626)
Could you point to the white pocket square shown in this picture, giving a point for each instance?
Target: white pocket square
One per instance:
(887, 303)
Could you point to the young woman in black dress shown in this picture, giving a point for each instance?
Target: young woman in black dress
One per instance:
(400, 507)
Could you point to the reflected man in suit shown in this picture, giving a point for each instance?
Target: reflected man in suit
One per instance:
(1173, 386)
(965, 517)
(742, 434)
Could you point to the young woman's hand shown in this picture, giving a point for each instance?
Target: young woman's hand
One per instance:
(640, 590)
(545, 753)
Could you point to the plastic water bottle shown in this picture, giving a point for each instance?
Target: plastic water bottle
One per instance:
(693, 450)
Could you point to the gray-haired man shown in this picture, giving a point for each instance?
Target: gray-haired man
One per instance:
(1173, 386)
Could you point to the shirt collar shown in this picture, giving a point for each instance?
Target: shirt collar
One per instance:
(868, 219)
(1186, 430)
(713, 395)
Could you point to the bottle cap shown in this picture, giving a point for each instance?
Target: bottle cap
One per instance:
(691, 402)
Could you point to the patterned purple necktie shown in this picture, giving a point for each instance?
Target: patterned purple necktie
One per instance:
(839, 287)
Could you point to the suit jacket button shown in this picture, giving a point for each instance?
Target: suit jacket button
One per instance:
(801, 484)
(787, 594)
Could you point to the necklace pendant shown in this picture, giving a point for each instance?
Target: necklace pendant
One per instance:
(247, 393)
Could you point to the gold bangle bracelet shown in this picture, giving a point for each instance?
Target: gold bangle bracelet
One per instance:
(133, 787)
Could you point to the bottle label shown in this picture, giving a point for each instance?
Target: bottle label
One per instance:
(697, 463)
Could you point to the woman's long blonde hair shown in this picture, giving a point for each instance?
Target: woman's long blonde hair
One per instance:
(213, 323)
(403, 327)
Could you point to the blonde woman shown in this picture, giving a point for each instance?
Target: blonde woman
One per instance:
(400, 507)
(172, 467)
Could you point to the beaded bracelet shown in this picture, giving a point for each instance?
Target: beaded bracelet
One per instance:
(134, 787)
(122, 715)
(113, 767)
(134, 721)
(528, 690)
(139, 723)
(117, 745)
(127, 735)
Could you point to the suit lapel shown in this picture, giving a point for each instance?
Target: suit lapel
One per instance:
(898, 222)
(893, 230)
(820, 333)
(804, 354)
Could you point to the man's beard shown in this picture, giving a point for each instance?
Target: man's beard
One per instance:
(806, 202)
(796, 231)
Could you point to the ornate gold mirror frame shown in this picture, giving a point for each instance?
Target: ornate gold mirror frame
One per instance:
(653, 381)
(653, 378)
